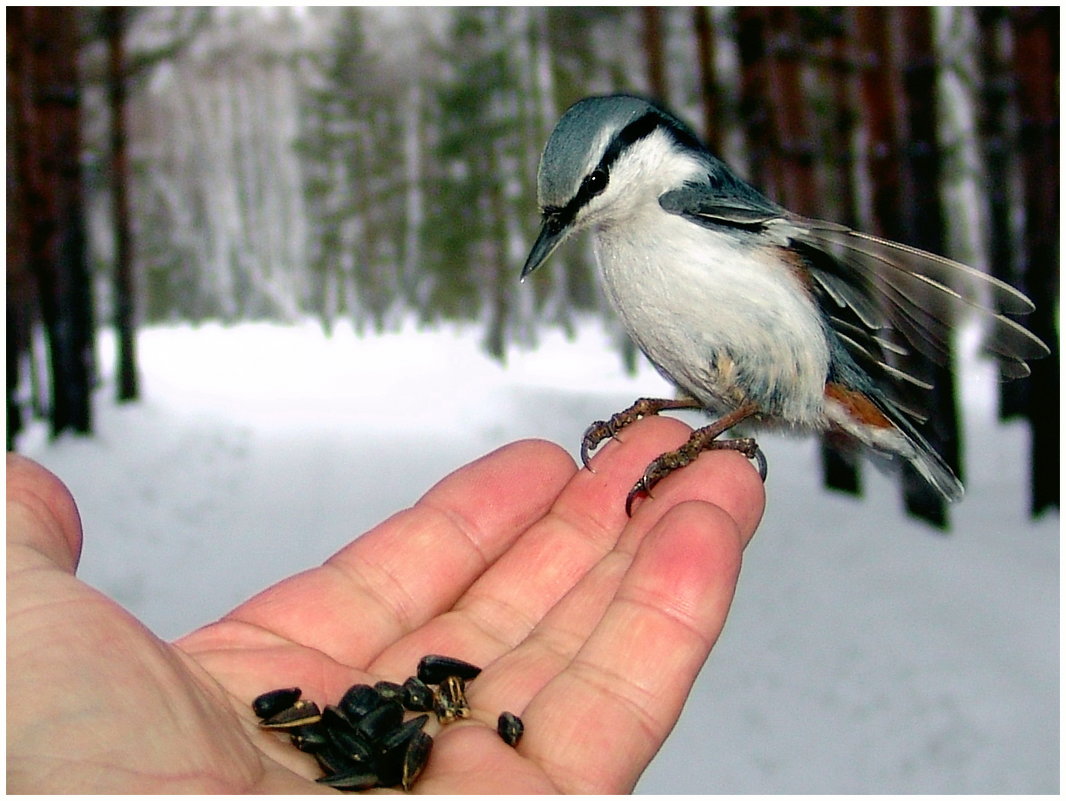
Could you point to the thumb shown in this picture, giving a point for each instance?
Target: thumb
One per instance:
(41, 516)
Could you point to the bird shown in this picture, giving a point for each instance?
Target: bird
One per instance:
(758, 316)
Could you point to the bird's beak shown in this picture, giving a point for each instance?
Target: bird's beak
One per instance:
(552, 234)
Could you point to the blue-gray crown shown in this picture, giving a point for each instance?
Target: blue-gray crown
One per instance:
(585, 135)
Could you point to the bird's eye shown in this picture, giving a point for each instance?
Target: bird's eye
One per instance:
(595, 182)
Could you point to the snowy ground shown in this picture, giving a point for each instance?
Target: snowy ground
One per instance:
(864, 652)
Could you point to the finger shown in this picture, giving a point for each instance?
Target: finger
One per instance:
(725, 478)
(722, 478)
(41, 513)
(595, 726)
(509, 601)
(408, 569)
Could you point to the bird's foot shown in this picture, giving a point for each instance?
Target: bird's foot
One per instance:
(643, 407)
(702, 439)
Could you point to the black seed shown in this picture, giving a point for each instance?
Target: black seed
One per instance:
(416, 758)
(403, 765)
(381, 721)
(416, 695)
(390, 771)
(510, 728)
(310, 738)
(269, 704)
(359, 700)
(357, 778)
(351, 744)
(402, 733)
(299, 714)
(389, 765)
(333, 717)
(332, 761)
(390, 690)
(449, 701)
(433, 669)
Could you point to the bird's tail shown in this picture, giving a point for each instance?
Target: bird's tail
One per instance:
(922, 456)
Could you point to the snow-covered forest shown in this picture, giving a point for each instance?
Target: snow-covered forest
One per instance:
(361, 162)
(287, 214)
(358, 162)
(370, 164)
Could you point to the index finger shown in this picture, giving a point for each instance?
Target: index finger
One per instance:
(406, 570)
(554, 569)
(596, 725)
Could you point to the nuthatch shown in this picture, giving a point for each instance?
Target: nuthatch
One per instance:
(755, 313)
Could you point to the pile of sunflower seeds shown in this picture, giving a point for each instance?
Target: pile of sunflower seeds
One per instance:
(364, 741)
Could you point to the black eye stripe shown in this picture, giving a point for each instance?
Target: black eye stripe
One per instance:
(640, 127)
(590, 187)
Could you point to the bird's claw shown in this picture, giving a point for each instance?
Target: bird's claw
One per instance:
(685, 455)
(593, 436)
(608, 429)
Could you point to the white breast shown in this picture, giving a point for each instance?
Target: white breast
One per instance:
(723, 319)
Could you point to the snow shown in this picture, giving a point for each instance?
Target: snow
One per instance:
(864, 652)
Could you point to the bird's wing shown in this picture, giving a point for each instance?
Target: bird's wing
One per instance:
(880, 296)
(918, 294)
(724, 199)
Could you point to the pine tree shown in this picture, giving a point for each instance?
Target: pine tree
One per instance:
(356, 189)
(473, 200)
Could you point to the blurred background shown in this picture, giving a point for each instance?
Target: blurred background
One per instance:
(219, 219)
(370, 164)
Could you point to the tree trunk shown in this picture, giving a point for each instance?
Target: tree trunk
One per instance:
(755, 112)
(21, 286)
(57, 241)
(789, 112)
(653, 51)
(837, 70)
(898, 88)
(998, 139)
(710, 95)
(124, 290)
(926, 227)
(1036, 59)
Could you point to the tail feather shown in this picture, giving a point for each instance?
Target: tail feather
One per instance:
(874, 419)
(933, 469)
(924, 458)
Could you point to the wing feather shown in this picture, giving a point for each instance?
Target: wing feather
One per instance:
(887, 286)
(926, 293)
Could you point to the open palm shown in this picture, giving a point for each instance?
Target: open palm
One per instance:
(589, 625)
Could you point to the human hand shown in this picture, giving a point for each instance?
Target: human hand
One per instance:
(589, 625)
